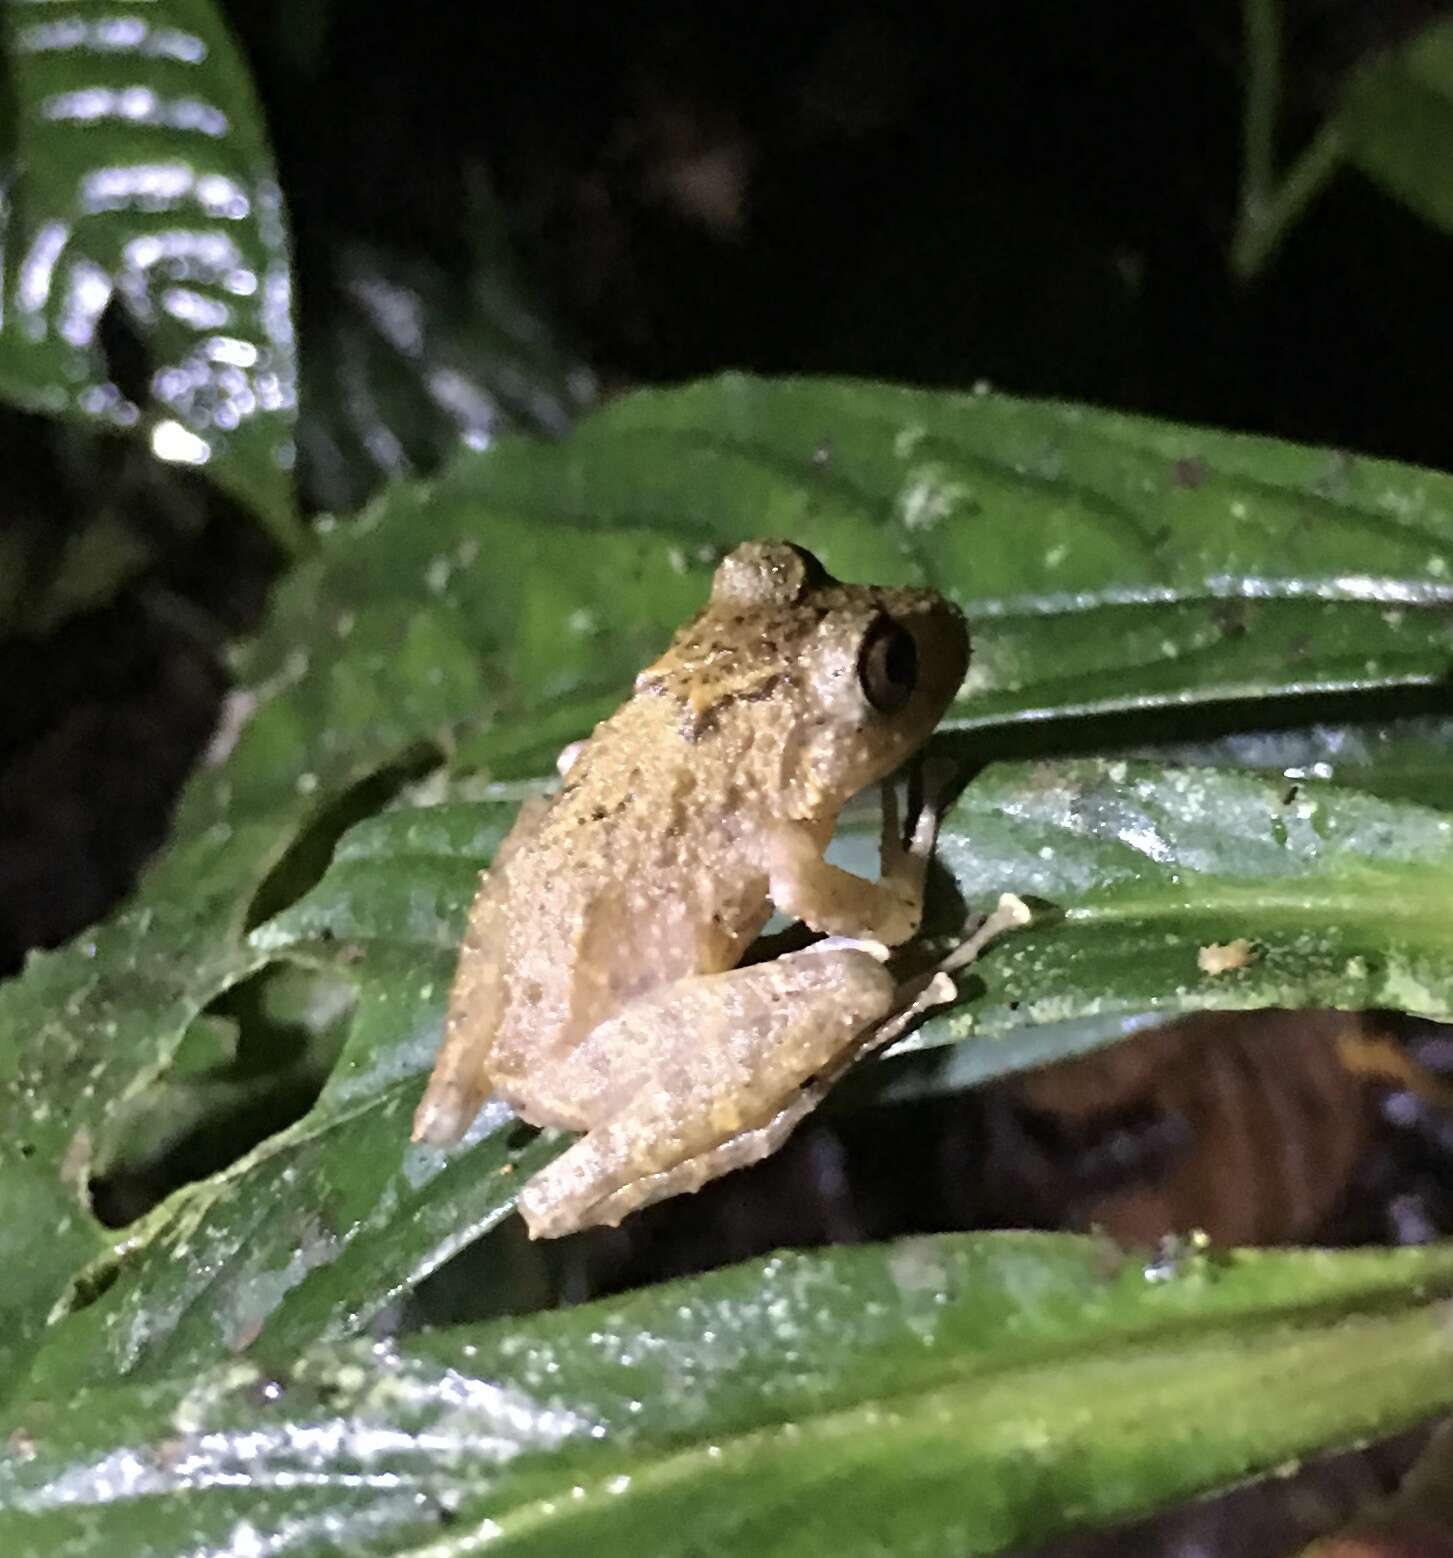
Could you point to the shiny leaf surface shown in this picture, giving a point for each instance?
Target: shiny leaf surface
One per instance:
(1399, 759)
(1107, 563)
(940, 1396)
(144, 268)
(1138, 872)
(1134, 870)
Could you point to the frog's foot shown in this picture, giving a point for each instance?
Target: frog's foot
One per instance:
(934, 988)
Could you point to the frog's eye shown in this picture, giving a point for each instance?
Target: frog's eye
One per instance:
(888, 666)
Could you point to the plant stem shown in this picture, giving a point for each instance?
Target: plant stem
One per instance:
(1268, 209)
(1261, 23)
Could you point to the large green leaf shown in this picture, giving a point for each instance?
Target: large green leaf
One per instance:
(952, 1395)
(1343, 896)
(1397, 120)
(409, 361)
(143, 182)
(1107, 563)
(329, 1221)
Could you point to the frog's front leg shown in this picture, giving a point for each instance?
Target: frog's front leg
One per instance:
(829, 899)
(720, 1068)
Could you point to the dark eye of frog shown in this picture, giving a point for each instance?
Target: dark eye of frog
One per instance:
(888, 666)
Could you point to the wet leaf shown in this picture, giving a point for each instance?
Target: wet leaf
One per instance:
(1107, 563)
(938, 1396)
(329, 1221)
(145, 277)
(1135, 869)
(409, 361)
(1399, 759)
(1138, 871)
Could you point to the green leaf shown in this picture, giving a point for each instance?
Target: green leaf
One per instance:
(1343, 896)
(1397, 120)
(343, 1185)
(938, 1396)
(410, 362)
(43, 1232)
(1399, 759)
(1107, 563)
(1063, 528)
(144, 183)
(327, 1222)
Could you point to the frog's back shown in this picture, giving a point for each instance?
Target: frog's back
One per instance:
(644, 869)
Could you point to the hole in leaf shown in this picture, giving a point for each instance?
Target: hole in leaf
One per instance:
(89, 1286)
(249, 1067)
(125, 351)
(309, 855)
(519, 1136)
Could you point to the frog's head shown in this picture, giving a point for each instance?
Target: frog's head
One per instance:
(840, 682)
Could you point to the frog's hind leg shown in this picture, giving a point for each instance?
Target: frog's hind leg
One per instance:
(728, 1066)
(543, 1208)
(458, 1084)
(542, 1204)
(723, 1067)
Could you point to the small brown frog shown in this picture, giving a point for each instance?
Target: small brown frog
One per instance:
(597, 987)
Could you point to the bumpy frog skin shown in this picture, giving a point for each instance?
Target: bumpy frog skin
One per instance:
(597, 987)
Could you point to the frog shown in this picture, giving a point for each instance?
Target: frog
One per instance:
(600, 985)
